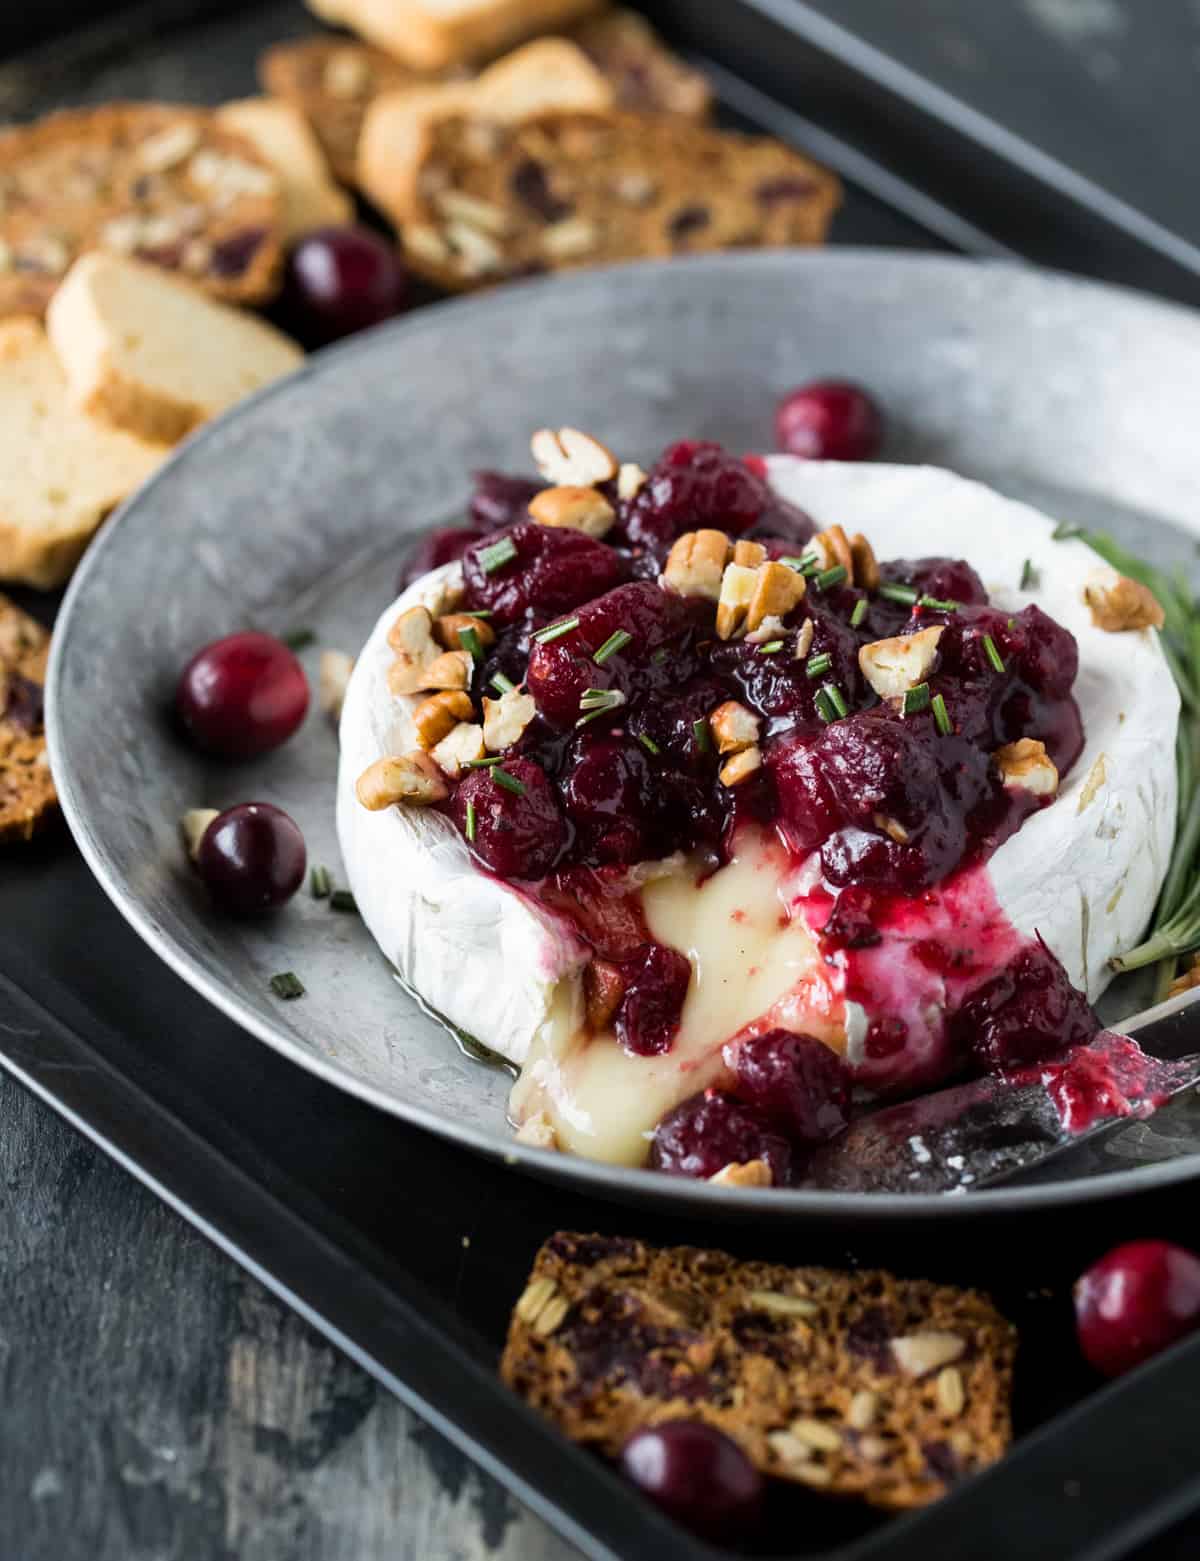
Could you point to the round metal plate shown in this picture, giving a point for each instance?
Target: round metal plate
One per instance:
(294, 511)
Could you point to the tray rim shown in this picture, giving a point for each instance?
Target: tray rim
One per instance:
(627, 1185)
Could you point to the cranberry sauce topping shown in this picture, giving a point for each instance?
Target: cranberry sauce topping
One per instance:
(710, 1131)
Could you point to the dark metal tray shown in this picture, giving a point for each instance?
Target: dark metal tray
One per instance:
(408, 1253)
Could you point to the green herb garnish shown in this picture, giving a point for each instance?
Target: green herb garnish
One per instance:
(937, 604)
(287, 985)
(702, 735)
(320, 884)
(614, 643)
(836, 698)
(471, 823)
(1029, 576)
(343, 900)
(509, 782)
(828, 578)
(492, 559)
(501, 684)
(649, 744)
(859, 613)
(555, 631)
(824, 706)
(942, 716)
(481, 764)
(596, 702)
(993, 655)
(468, 640)
(816, 665)
(771, 648)
(916, 700)
(904, 594)
(1064, 531)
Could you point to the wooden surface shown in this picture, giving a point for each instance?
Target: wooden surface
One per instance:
(156, 1403)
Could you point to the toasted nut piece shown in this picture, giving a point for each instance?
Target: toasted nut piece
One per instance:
(452, 669)
(865, 572)
(411, 637)
(863, 1408)
(769, 629)
(734, 728)
(777, 590)
(738, 585)
(333, 679)
(749, 554)
(894, 666)
(603, 989)
(426, 243)
(551, 1315)
(789, 1449)
(752, 1173)
(1119, 604)
(873, 1448)
(629, 480)
(458, 206)
(504, 719)
(475, 252)
(570, 459)
(950, 1395)
(741, 766)
(534, 1299)
(573, 509)
(461, 746)
(893, 828)
(538, 1132)
(920, 1353)
(832, 548)
(782, 1305)
(413, 778)
(696, 564)
(451, 624)
(804, 639)
(1027, 765)
(437, 716)
(194, 825)
(816, 1434)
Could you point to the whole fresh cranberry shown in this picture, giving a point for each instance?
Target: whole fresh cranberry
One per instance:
(446, 545)
(656, 985)
(1136, 1301)
(341, 280)
(242, 695)
(795, 1081)
(707, 1132)
(538, 568)
(829, 420)
(251, 859)
(511, 816)
(500, 500)
(697, 1475)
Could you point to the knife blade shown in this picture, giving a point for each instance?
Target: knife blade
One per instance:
(1087, 1114)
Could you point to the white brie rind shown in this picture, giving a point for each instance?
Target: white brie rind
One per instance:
(1084, 872)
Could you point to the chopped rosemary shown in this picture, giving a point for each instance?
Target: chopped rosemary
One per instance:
(836, 698)
(320, 884)
(649, 744)
(937, 604)
(993, 655)
(829, 577)
(468, 640)
(660, 656)
(477, 612)
(555, 631)
(471, 823)
(891, 592)
(300, 639)
(702, 735)
(1064, 531)
(596, 702)
(859, 613)
(492, 559)
(771, 648)
(942, 716)
(916, 699)
(1029, 576)
(343, 900)
(501, 684)
(287, 985)
(825, 707)
(481, 764)
(614, 643)
(816, 665)
(509, 782)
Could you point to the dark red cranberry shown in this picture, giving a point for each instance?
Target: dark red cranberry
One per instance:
(795, 1081)
(609, 792)
(656, 985)
(500, 500)
(695, 484)
(342, 280)
(851, 923)
(242, 696)
(710, 1131)
(1136, 1301)
(251, 859)
(444, 546)
(1027, 1013)
(697, 1475)
(829, 420)
(519, 830)
(550, 571)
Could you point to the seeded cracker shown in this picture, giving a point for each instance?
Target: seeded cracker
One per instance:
(150, 180)
(858, 1384)
(27, 795)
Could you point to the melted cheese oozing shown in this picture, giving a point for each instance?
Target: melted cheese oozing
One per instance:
(753, 965)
